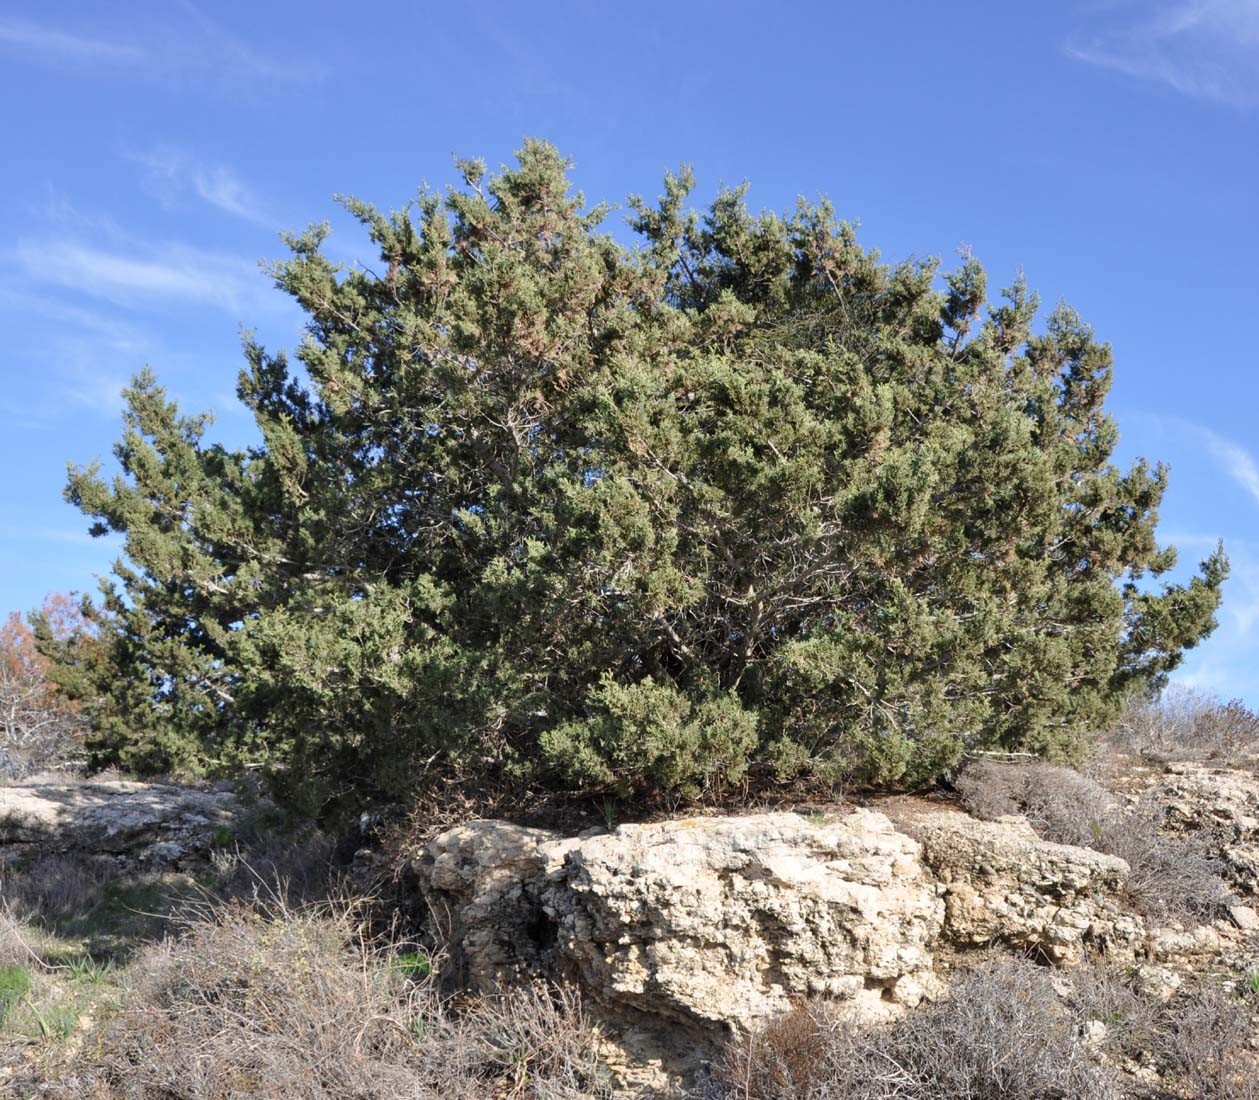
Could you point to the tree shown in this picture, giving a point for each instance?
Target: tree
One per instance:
(40, 727)
(634, 520)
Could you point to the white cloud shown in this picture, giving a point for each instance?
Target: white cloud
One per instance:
(54, 43)
(177, 45)
(1208, 49)
(1237, 462)
(137, 277)
(171, 173)
(1229, 455)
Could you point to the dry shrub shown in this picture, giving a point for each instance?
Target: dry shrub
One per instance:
(1206, 1044)
(1133, 1018)
(1001, 1034)
(296, 867)
(791, 1056)
(1187, 724)
(1171, 876)
(292, 1004)
(15, 948)
(54, 888)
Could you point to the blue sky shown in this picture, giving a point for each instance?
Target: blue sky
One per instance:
(153, 151)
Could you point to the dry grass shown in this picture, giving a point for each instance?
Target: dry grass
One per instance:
(1001, 1034)
(1171, 876)
(294, 1004)
(1207, 1043)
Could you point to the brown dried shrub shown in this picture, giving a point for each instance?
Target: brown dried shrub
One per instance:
(1207, 1044)
(1001, 1034)
(294, 1004)
(1170, 876)
(1187, 724)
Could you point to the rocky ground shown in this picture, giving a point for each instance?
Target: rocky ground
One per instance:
(690, 938)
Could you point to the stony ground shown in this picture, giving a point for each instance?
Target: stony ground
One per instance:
(691, 943)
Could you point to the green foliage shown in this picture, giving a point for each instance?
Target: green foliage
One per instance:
(648, 737)
(630, 520)
(415, 965)
(15, 982)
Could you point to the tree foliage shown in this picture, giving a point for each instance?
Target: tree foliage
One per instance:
(634, 519)
(40, 725)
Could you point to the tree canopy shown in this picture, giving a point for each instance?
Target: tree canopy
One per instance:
(632, 519)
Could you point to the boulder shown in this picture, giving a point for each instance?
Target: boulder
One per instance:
(721, 922)
(683, 933)
(156, 823)
(712, 923)
(1003, 884)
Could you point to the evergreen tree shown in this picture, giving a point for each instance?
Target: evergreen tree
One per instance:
(633, 520)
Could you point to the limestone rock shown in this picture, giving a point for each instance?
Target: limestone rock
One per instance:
(682, 933)
(1157, 982)
(1183, 946)
(156, 822)
(1221, 807)
(713, 923)
(1003, 883)
(723, 921)
(1244, 917)
(482, 883)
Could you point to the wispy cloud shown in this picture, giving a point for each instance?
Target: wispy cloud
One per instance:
(1208, 49)
(1236, 461)
(52, 42)
(175, 44)
(1228, 455)
(171, 173)
(239, 58)
(136, 277)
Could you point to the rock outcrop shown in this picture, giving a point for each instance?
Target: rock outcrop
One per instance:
(712, 923)
(685, 932)
(682, 933)
(1220, 806)
(1003, 884)
(153, 823)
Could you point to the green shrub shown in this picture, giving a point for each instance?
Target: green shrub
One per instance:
(538, 504)
(649, 737)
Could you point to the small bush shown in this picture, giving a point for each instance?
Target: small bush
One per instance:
(650, 737)
(1001, 1034)
(1206, 1043)
(54, 888)
(1171, 876)
(284, 1004)
(1132, 1018)
(1187, 724)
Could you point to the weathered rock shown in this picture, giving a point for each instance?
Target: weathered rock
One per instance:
(1184, 946)
(482, 883)
(1003, 884)
(157, 823)
(681, 933)
(1220, 806)
(1244, 917)
(714, 923)
(1157, 982)
(723, 921)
